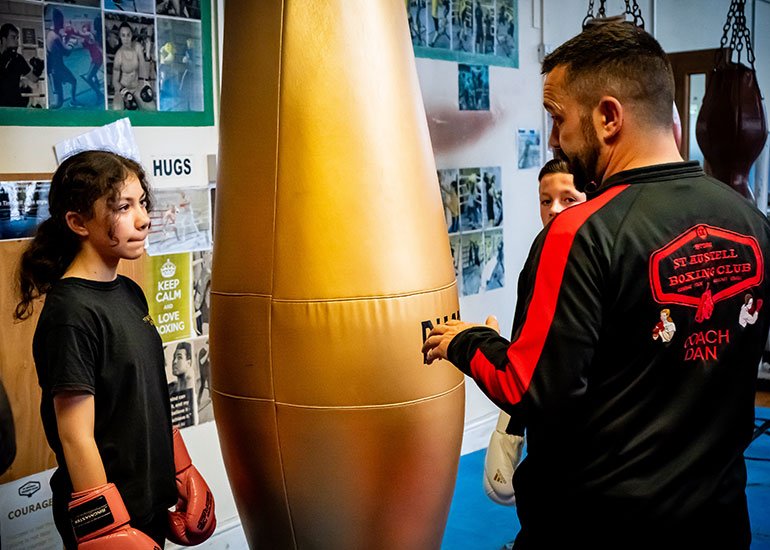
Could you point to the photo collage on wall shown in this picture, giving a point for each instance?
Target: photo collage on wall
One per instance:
(178, 292)
(473, 209)
(82, 55)
(468, 31)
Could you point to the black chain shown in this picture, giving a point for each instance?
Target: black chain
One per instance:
(735, 26)
(636, 12)
(602, 9)
(589, 13)
(632, 10)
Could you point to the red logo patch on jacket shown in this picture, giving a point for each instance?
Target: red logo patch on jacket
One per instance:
(703, 266)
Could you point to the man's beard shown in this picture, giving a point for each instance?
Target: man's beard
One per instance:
(583, 165)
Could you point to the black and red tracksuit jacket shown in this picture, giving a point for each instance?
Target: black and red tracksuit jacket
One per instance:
(638, 330)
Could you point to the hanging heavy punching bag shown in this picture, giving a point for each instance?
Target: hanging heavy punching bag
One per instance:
(732, 128)
(332, 263)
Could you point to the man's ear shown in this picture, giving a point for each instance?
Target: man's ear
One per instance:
(76, 223)
(610, 115)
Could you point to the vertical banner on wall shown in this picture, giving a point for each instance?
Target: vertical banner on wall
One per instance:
(169, 295)
(26, 520)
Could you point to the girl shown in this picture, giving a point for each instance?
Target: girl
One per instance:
(99, 359)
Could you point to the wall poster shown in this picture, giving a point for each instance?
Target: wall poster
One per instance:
(23, 204)
(482, 32)
(81, 63)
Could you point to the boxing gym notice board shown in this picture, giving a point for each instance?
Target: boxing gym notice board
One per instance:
(88, 62)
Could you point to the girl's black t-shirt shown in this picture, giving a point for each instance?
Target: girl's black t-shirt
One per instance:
(98, 337)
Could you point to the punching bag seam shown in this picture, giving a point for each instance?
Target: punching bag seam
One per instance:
(348, 407)
(272, 274)
(349, 299)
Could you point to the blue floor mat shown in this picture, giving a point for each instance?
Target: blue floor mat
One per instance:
(477, 523)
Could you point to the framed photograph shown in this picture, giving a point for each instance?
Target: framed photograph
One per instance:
(89, 63)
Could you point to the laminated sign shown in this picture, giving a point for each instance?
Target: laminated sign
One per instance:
(169, 293)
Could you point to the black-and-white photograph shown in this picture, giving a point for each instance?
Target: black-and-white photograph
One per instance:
(131, 64)
(180, 78)
(182, 376)
(23, 206)
(203, 380)
(181, 221)
(450, 198)
(135, 6)
(472, 261)
(473, 87)
(22, 54)
(201, 269)
(493, 272)
(189, 9)
(188, 373)
(471, 199)
(440, 24)
(493, 190)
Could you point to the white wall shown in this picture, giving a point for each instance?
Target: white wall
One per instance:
(514, 103)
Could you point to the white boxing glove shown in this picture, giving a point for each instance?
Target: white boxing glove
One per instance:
(503, 456)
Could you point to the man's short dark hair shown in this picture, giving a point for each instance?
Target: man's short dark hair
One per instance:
(621, 60)
(186, 347)
(554, 166)
(6, 29)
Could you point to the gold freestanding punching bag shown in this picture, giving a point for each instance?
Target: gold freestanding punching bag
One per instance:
(331, 264)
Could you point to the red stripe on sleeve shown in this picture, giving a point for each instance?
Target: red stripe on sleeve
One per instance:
(510, 384)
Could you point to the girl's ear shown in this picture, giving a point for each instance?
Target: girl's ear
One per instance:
(76, 223)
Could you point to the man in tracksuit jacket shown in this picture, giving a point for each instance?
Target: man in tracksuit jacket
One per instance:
(638, 326)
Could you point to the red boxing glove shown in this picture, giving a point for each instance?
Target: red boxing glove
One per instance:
(193, 521)
(100, 521)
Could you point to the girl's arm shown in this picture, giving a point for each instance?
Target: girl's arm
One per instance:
(75, 420)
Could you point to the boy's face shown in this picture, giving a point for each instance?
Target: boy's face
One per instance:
(557, 192)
